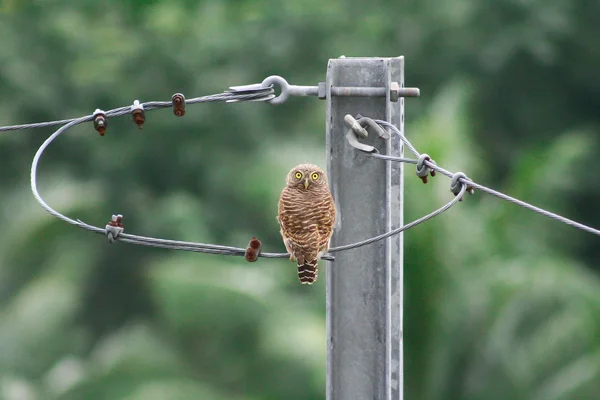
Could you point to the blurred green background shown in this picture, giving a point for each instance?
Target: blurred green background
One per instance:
(501, 303)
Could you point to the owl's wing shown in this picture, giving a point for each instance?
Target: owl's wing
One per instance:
(327, 221)
(300, 236)
(283, 218)
(289, 214)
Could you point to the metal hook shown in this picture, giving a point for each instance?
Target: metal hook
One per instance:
(357, 129)
(365, 121)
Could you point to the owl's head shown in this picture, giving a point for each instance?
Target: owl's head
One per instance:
(307, 177)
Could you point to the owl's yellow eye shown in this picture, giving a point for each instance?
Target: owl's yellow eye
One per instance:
(315, 176)
(298, 175)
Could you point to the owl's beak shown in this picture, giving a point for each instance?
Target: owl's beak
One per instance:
(306, 183)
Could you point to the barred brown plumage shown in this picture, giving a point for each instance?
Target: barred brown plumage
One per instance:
(306, 217)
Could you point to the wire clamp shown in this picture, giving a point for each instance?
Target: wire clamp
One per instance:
(114, 228)
(253, 250)
(138, 114)
(260, 92)
(178, 101)
(423, 169)
(458, 180)
(100, 121)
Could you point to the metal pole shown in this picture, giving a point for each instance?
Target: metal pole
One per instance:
(364, 286)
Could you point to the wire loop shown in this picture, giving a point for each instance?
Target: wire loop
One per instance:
(283, 85)
(422, 169)
(264, 92)
(114, 229)
(458, 180)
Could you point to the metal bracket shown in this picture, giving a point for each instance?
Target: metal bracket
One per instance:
(288, 90)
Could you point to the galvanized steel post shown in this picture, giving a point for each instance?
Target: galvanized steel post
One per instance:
(364, 286)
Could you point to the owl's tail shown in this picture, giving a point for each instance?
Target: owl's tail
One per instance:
(308, 272)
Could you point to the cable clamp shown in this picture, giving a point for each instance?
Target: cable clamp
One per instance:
(458, 180)
(263, 91)
(138, 113)
(100, 121)
(253, 250)
(114, 228)
(178, 101)
(423, 169)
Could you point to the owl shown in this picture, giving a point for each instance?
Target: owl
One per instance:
(306, 217)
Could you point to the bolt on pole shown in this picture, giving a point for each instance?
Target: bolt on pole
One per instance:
(364, 293)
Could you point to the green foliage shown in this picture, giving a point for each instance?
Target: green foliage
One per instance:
(500, 303)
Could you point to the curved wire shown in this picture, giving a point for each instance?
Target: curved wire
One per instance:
(262, 94)
(400, 135)
(194, 246)
(128, 238)
(404, 227)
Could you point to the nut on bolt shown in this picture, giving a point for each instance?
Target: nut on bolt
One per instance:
(138, 114)
(394, 91)
(100, 121)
